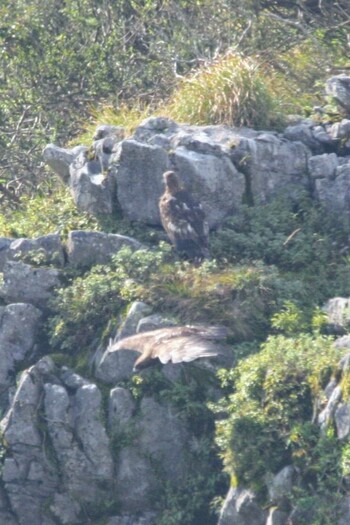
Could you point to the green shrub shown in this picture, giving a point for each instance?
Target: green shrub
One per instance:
(270, 415)
(45, 213)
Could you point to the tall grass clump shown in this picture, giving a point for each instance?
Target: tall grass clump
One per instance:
(232, 90)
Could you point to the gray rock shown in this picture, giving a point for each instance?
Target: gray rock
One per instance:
(59, 159)
(137, 311)
(306, 132)
(114, 366)
(137, 485)
(47, 249)
(107, 130)
(91, 433)
(153, 322)
(155, 456)
(19, 326)
(337, 310)
(323, 166)
(92, 188)
(344, 509)
(213, 180)
(240, 508)
(65, 509)
(23, 283)
(272, 165)
(121, 407)
(163, 437)
(139, 180)
(4, 247)
(340, 130)
(29, 477)
(277, 517)
(87, 248)
(154, 126)
(338, 87)
(280, 486)
(71, 379)
(342, 420)
(335, 194)
(327, 415)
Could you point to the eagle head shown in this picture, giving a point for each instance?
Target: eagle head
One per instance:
(172, 181)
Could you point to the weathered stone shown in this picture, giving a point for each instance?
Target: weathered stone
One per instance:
(309, 134)
(71, 379)
(272, 165)
(29, 477)
(87, 248)
(92, 188)
(158, 427)
(65, 509)
(338, 87)
(240, 508)
(335, 194)
(153, 126)
(344, 511)
(59, 159)
(121, 407)
(91, 433)
(280, 486)
(137, 485)
(342, 420)
(153, 322)
(4, 247)
(277, 517)
(327, 415)
(19, 326)
(114, 366)
(137, 311)
(213, 180)
(139, 180)
(47, 249)
(26, 284)
(323, 166)
(107, 130)
(337, 310)
(340, 130)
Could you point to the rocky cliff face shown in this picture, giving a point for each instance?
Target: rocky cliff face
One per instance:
(77, 449)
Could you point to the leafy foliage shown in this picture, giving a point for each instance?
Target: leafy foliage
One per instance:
(271, 419)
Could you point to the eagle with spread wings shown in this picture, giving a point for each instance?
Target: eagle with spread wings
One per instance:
(175, 344)
(183, 219)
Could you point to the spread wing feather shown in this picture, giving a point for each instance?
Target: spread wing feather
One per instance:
(176, 344)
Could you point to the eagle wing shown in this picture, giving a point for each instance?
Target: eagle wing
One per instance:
(176, 344)
(185, 349)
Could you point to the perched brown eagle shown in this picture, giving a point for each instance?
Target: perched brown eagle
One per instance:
(176, 344)
(183, 219)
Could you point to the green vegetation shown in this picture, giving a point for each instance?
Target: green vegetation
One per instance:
(67, 66)
(270, 419)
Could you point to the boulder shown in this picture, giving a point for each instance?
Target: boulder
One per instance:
(59, 159)
(337, 311)
(241, 508)
(47, 249)
(338, 87)
(138, 170)
(272, 165)
(5, 244)
(280, 486)
(19, 327)
(323, 166)
(26, 284)
(92, 187)
(88, 248)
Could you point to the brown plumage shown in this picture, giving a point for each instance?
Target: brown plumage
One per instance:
(183, 219)
(176, 344)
